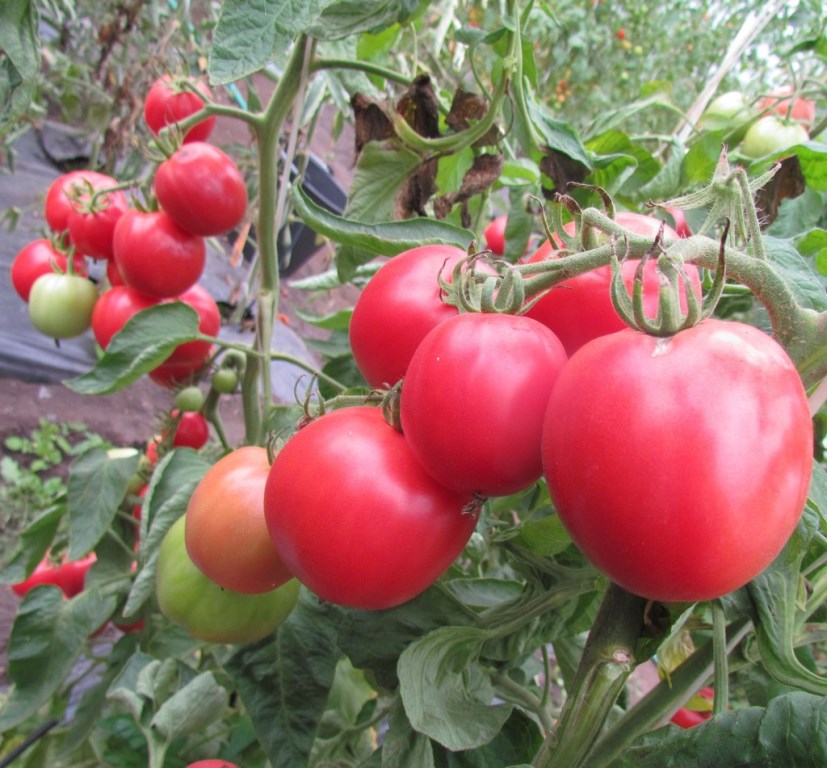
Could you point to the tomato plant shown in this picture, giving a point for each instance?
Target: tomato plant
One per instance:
(155, 256)
(645, 452)
(502, 366)
(37, 258)
(114, 308)
(172, 99)
(354, 516)
(209, 611)
(772, 134)
(580, 309)
(226, 534)
(397, 308)
(201, 189)
(61, 305)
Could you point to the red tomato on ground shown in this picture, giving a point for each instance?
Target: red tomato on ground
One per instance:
(680, 466)
(473, 401)
(494, 235)
(190, 358)
(397, 308)
(37, 258)
(91, 229)
(580, 309)
(58, 203)
(114, 308)
(168, 102)
(201, 189)
(355, 517)
(226, 534)
(155, 256)
(70, 576)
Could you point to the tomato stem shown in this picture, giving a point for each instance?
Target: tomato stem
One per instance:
(719, 650)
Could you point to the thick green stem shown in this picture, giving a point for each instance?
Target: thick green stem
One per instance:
(607, 661)
(360, 66)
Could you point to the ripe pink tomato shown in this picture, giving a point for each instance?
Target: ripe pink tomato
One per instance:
(212, 764)
(192, 430)
(225, 532)
(58, 203)
(202, 190)
(155, 256)
(91, 229)
(473, 401)
(580, 309)
(802, 110)
(37, 258)
(397, 308)
(355, 517)
(168, 102)
(70, 576)
(114, 308)
(494, 235)
(680, 466)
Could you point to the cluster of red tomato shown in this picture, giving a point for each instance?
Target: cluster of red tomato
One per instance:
(152, 256)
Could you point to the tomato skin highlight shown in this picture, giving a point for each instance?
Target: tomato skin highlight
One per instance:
(155, 256)
(355, 517)
(679, 466)
(473, 401)
(226, 534)
(397, 308)
(201, 189)
(580, 309)
(40, 258)
(165, 105)
(208, 611)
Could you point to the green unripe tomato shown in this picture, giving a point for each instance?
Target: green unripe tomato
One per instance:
(189, 399)
(61, 305)
(771, 134)
(207, 611)
(723, 110)
(225, 381)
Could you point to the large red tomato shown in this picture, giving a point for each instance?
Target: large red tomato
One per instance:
(580, 309)
(473, 401)
(189, 359)
(114, 308)
(92, 225)
(226, 533)
(356, 518)
(201, 189)
(680, 466)
(37, 258)
(169, 101)
(397, 308)
(58, 203)
(155, 256)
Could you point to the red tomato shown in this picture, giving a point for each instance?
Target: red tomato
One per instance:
(473, 401)
(190, 358)
(679, 466)
(802, 110)
(212, 764)
(192, 431)
(681, 225)
(225, 532)
(114, 308)
(355, 517)
(155, 256)
(201, 189)
(494, 235)
(91, 231)
(397, 308)
(580, 309)
(167, 103)
(58, 203)
(69, 576)
(37, 258)
(113, 274)
(687, 717)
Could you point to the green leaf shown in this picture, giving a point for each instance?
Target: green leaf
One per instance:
(197, 705)
(812, 157)
(97, 486)
(336, 321)
(20, 63)
(797, 214)
(557, 134)
(344, 18)
(166, 500)
(250, 34)
(382, 239)
(402, 745)
(451, 170)
(484, 592)
(797, 272)
(447, 694)
(145, 341)
(619, 163)
(46, 640)
(791, 732)
(545, 537)
(284, 681)
(327, 281)
(699, 163)
(33, 544)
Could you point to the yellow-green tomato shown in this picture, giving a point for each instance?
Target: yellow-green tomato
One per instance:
(770, 135)
(209, 612)
(61, 305)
